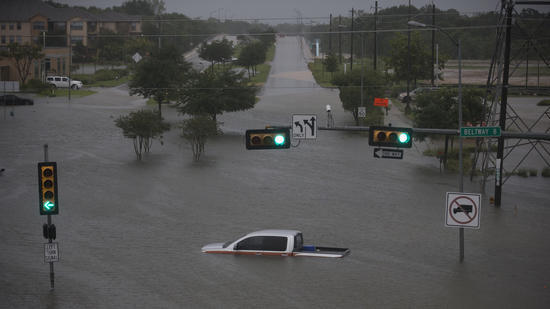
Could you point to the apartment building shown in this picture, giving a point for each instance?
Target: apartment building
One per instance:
(55, 30)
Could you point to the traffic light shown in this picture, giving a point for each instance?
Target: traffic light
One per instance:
(390, 137)
(47, 188)
(49, 231)
(268, 139)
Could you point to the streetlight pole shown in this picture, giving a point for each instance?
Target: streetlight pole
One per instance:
(460, 145)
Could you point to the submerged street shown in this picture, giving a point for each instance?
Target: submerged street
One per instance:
(130, 232)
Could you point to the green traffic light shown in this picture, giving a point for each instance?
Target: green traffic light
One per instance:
(49, 205)
(279, 140)
(404, 138)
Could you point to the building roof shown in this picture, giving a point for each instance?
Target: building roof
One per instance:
(23, 10)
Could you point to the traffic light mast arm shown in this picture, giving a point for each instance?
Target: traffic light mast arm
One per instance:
(453, 132)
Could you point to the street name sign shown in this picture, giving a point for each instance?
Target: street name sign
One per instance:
(51, 252)
(386, 153)
(304, 126)
(462, 210)
(479, 131)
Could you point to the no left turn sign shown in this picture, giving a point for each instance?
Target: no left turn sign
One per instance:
(463, 210)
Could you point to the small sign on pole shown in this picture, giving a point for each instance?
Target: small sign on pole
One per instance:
(381, 102)
(304, 126)
(51, 252)
(386, 153)
(362, 112)
(463, 210)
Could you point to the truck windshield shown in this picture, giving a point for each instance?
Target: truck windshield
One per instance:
(231, 241)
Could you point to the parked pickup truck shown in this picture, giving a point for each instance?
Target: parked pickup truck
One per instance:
(274, 242)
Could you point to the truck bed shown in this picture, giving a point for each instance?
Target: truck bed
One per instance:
(322, 252)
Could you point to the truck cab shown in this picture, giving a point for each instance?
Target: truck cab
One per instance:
(273, 242)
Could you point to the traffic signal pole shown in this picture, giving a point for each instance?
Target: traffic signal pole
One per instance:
(52, 274)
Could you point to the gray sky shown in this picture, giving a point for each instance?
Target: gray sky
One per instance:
(238, 9)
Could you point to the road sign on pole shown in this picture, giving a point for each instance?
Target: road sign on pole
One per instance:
(479, 131)
(362, 112)
(463, 210)
(304, 126)
(386, 153)
(51, 252)
(381, 102)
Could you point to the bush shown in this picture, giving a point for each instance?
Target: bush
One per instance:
(533, 172)
(35, 85)
(103, 75)
(86, 79)
(545, 172)
(544, 103)
(522, 172)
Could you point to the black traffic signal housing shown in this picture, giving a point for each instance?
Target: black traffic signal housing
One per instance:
(390, 137)
(47, 188)
(49, 231)
(268, 139)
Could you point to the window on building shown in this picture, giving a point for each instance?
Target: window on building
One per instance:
(77, 25)
(63, 61)
(3, 39)
(18, 26)
(92, 26)
(11, 26)
(38, 25)
(19, 40)
(3, 26)
(36, 69)
(76, 39)
(58, 60)
(12, 39)
(133, 26)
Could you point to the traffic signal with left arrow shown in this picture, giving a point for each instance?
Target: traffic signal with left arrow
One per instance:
(47, 188)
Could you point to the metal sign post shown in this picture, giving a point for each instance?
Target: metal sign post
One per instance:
(52, 274)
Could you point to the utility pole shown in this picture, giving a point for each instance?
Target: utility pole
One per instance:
(408, 108)
(433, 45)
(375, 39)
(330, 36)
(340, 38)
(503, 103)
(351, 43)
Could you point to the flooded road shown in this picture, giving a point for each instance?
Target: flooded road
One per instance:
(130, 232)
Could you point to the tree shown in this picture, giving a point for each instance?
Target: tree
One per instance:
(421, 59)
(350, 93)
(215, 93)
(331, 63)
(439, 109)
(216, 51)
(197, 130)
(142, 126)
(142, 7)
(251, 55)
(160, 75)
(23, 55)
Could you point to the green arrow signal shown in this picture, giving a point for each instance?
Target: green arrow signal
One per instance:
(48, 205)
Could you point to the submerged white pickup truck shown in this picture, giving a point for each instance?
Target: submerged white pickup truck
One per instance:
(274, 242)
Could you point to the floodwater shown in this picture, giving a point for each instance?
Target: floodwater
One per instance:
(130, 232)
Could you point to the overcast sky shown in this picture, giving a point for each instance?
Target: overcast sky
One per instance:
(243, 9)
